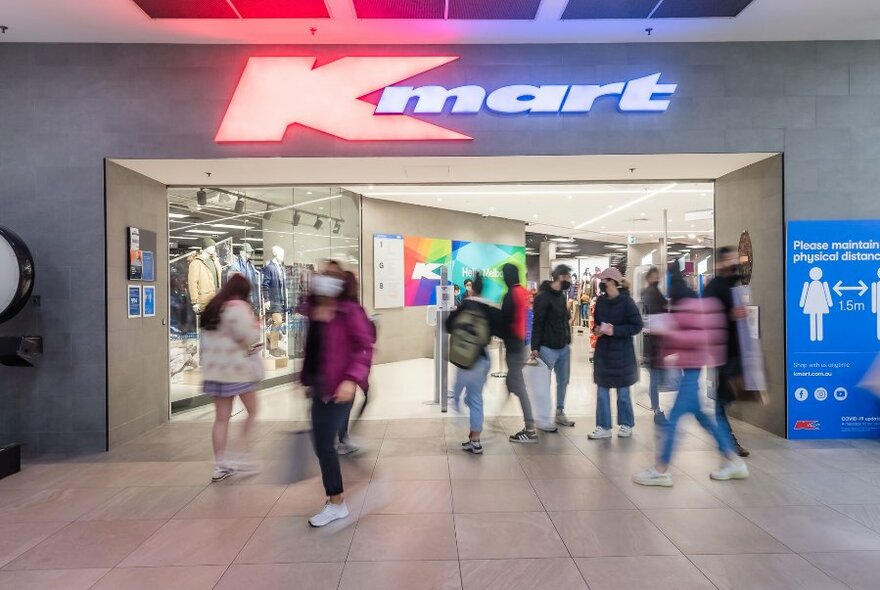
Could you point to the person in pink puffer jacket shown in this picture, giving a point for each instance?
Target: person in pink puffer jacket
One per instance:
(696, 338)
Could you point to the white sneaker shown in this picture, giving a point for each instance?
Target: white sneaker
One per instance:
(731, 470)
(243, 463)
(625, 432)
(347, 448)
(221, 472)
(652, 477)
(600, 433)
(328, 514)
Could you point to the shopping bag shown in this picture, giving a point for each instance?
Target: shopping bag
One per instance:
(537, 377)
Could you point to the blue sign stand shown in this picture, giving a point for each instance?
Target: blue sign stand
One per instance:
(832, 328)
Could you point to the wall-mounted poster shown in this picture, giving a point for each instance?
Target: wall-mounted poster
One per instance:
(149, 301)
(387, 271)
(134, 301)
(141, 254)
(149, 265)
(423, 258)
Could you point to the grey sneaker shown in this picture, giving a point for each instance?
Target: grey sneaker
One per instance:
(472, 446)
(563, 420)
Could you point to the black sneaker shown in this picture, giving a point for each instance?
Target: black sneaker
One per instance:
(524, 436)
(660, 418)
(741, 451)
(472, 446)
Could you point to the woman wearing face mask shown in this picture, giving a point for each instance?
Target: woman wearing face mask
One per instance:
(338, 353)
(617, 321)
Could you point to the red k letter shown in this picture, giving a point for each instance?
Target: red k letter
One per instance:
(276, 92)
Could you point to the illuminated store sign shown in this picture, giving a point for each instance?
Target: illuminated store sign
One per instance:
(276, 92)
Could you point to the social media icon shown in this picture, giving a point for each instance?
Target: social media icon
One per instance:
(801, 394)
(840, 394)
(821, 394)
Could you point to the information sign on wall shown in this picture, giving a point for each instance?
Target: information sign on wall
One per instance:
(832, 328)
(387, 271)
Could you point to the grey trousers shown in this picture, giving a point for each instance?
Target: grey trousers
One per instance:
(516, 383)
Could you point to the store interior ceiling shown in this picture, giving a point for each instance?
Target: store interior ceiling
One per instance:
(348, 22)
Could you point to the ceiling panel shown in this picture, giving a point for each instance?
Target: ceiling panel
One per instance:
(493, 9)
(281, 8)
(595, 9)
(187, 8)
(415, 9)
(700, 8)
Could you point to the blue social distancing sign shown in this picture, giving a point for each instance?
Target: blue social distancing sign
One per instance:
(832, 328)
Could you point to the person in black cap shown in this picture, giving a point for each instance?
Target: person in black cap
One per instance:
(551, 336)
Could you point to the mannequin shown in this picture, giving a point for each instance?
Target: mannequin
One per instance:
(203, 279)
(275, 297)
(242, 265)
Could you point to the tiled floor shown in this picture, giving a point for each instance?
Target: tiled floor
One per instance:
(562, 514)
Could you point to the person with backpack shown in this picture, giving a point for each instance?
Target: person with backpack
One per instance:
(514, 311)
(231, 367)
(471, 327)
(551, 336)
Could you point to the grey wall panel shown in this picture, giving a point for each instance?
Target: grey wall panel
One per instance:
(67, 107)
(751, 200)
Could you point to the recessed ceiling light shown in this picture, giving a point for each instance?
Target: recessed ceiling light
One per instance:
(611, 206)
(177, 215)
(573, 222)
(371, 187)
(603, 227)
(308, 192)
(491, 208)
(439, 199)
(643, 213)
(535, 215)
(692, 236)
(569, 197)
(693, 226)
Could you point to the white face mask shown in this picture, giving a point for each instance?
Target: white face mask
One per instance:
(325, 286)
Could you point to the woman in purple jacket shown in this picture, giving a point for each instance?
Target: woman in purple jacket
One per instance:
(696, 339)
(338, 354)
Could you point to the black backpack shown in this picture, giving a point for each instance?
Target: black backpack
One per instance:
(469, 335)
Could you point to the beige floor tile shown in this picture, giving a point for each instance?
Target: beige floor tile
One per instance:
(77, 579)
(413, 447)
(415, 429)
(16, 538)
(761, 489)
(404, 537)
(867, 514)
(713, 531)
(788, 461)
(610, 533)
(494, 495)
(369, 429)
(507, 535)
(290, 539)
(411, 468)
(154, 578)
(53, 505)
(674, 572)
(305, 498)
(144, 503)
(40, 476)
(96, 544)
(548, 444)
(302, 576)
(521, 574)
(408, 497)
(685, 493)
(356, 468)
(860, 570)
(558, 467)
(486, 467)
(764, 572)
(194, 542)
(232, 502)
(697, 464)
(832, 488)
(412, 575)
(625, 464)
(580, 494)
(845, 459)
(814, 529)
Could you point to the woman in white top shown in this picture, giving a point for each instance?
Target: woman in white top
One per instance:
(230, 366)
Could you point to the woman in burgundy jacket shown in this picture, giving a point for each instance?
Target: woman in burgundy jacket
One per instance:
(695, 339)
(338, 355)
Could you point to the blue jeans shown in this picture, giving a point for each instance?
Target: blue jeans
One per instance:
(559, 361)
(471, 381)
(656, 374)
(625, 415)
(688, 402)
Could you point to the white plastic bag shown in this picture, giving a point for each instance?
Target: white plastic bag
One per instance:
(537, 377)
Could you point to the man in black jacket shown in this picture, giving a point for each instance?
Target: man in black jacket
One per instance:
(721, 287)
(551, 336)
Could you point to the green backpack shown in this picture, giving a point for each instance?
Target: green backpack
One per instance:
(469, 335)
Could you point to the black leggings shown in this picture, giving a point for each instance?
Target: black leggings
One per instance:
(327, 420)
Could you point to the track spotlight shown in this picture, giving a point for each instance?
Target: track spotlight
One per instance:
(202, 197)
(337, 227)
(319, 223)
(239, 205)
(296, 218)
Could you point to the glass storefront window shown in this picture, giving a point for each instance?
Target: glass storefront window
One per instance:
(275, 237)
